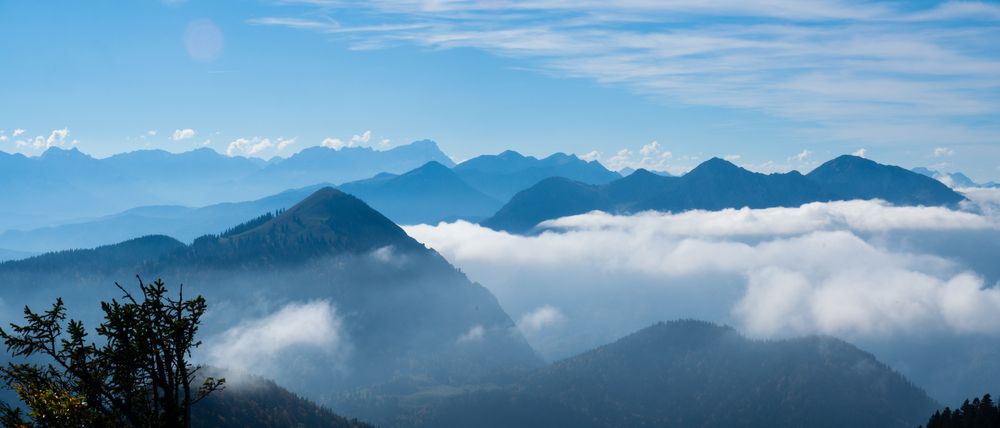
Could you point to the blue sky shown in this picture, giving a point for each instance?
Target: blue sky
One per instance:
(770, 84)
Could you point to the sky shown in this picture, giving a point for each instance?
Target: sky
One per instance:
(772, 85)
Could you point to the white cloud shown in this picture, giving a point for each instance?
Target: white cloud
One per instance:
(151, 133)
(982, 200)
(257, 345)
(248, 146)
(475, 334)
(773, 272)
(943, 151)
(651, 157)
(333, 143)
(3, 138)
(283, 143)
(363, 139)
(650, 149)
(864, 71)
(595, 155)
(801, 157)
(541, 318)
(57, 138)
(620, 160)
(868, 216)
(860, 153)
(181, 134)
(732, 158)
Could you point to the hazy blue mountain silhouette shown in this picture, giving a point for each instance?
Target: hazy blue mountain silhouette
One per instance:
(404, 308)
(502, 176)
(718, 184)
(951, 179)
(428, 194)
(627, 171)
(62, 186)
(853, 177)
(325, 165)
(182, 223)
(692, 373)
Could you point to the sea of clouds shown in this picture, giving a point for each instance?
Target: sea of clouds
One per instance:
(860, 270)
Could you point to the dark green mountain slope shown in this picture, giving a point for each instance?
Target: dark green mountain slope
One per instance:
(696, 374)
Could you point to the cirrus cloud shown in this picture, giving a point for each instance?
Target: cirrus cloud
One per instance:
(850, 70)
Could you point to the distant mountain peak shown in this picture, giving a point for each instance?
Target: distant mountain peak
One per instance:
(328, 221)
(510, 154)
(716, 166)
(425, 143)
(431, 166)
(60, 153)
(849, 162)
(642, 172)
(562, 157)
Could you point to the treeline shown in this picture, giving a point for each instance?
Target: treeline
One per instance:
(977, 414)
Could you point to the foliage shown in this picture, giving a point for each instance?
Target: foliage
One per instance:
(977, 414)
(137, 375)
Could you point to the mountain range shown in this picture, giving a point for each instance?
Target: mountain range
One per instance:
(430, 193)
(179, 222)
(502, 176)
(62, 186)
(403, 310)
(955, 180)
(421, 345)
(696, 374)
(718, 184)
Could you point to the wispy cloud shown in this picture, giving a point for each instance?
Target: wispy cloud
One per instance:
(853, 70)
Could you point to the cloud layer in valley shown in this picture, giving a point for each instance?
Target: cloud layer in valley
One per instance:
(832, 268)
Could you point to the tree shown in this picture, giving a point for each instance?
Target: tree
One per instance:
(977, 414)
(139, 374)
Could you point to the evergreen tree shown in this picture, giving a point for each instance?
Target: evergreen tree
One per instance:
(978, 413)
(139, 375)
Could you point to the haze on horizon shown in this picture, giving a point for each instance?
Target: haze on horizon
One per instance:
(772, 86)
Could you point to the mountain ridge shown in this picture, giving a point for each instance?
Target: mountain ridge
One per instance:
(717, 184)
(695, 373)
